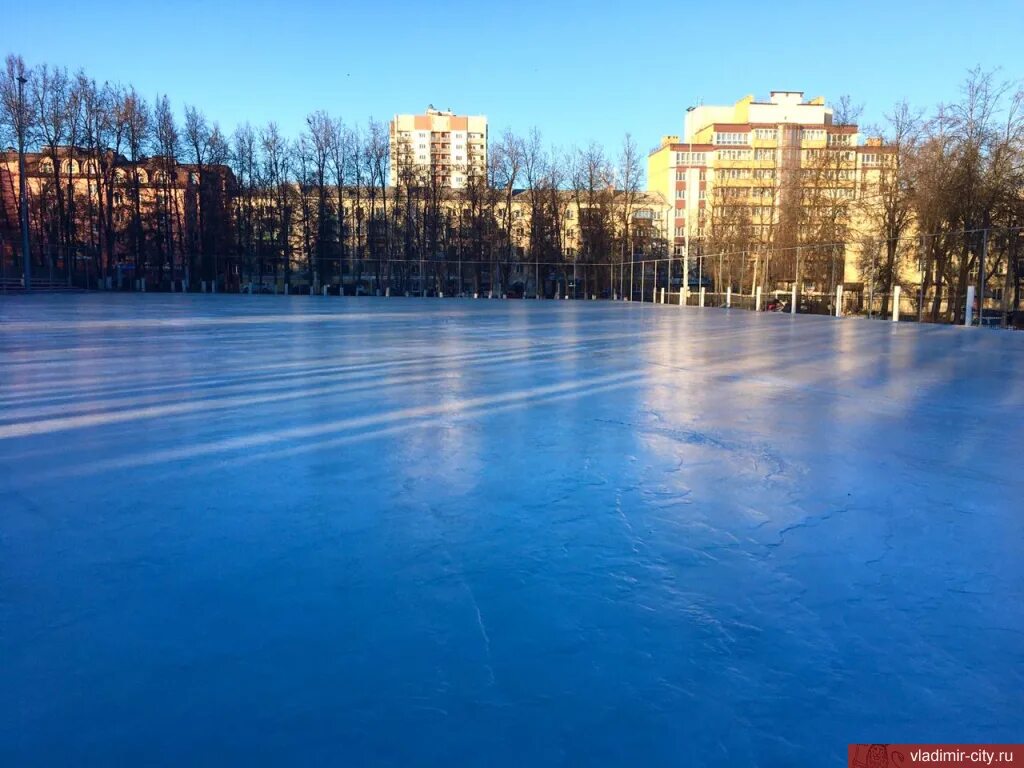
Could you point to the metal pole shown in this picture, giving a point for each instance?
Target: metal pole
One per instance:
(920, 281)
(632, 261)
(22, 184)
(871, 286)
(718, 285)
(684, 288)
(700, 267)
(981, 276)
(668, 280)
(796, 280)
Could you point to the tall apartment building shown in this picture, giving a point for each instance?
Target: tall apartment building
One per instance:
(767, 178)
(442, 146)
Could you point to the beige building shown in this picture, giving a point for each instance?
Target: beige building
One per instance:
(603, 221)
(439, 146)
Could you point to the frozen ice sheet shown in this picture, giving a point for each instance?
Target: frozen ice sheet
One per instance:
(308, 531)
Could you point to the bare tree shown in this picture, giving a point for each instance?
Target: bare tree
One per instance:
(506, 166)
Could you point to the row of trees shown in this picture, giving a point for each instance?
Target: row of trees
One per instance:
(109, 186)
(178, 199)
(122, 184)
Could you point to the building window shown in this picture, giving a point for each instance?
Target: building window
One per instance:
(691, 158)
(733, 154)
(838, 139)
(764, 133)
(813, 134)
(764, 154)
(732, 138)
(680, 194)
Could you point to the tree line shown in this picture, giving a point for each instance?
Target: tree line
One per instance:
(176, 198)
(123, 184)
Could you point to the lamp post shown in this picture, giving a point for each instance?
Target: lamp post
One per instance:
(684, 287)
(23, 186)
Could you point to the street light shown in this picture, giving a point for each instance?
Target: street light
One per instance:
(684, 287)
(22, 183)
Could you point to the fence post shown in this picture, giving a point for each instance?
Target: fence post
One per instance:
(969, 309)
(792, 302)
(702, 295)
(896, 304)
(662, 295)
(839, 300)
(757, 299)
(728, 297)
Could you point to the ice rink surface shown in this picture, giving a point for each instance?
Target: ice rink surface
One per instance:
(325, 531)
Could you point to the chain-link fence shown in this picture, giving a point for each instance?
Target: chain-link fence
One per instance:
(971, 277)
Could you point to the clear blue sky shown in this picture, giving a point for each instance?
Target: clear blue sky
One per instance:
(580, 71)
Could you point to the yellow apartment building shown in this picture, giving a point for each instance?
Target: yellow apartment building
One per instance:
(769, 192)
